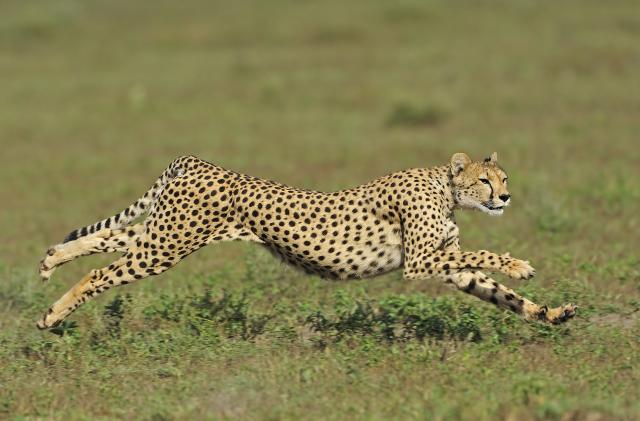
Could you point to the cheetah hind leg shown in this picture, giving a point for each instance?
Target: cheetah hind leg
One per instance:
(103, 241)
(480, 285)
(123, 271)
(135, 265)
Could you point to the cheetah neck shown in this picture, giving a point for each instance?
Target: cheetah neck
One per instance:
(444, 177)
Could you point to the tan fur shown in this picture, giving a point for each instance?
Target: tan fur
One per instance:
(403, 220)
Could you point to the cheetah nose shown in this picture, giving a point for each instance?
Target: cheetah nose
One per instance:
(504, 197)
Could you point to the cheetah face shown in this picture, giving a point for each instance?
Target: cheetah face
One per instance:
(479, 185)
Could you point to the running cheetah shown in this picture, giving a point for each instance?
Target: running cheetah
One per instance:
(403, 220)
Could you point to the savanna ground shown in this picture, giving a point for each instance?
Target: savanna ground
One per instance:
(99, 96)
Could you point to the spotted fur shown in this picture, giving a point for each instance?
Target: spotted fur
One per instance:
(403, 220)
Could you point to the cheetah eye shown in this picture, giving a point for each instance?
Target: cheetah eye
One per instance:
(504, 180)
(484, 180)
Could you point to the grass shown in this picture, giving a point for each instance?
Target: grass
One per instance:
(98, 97)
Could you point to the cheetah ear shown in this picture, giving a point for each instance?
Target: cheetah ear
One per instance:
(458, 162)
(493, 158)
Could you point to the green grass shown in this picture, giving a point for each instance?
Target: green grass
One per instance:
(98, 97)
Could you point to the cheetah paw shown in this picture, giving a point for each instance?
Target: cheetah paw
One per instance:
(48, 321)
(45, 270)
(557, 315)
(519, 269)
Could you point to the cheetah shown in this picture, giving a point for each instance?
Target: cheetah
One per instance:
(402, 220)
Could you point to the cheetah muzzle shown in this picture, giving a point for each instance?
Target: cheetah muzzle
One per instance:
(403, 220)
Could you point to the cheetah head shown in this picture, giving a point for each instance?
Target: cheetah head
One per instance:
(479, 185)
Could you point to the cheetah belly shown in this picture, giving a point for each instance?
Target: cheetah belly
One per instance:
(360, 256)
(373, 260)
(361, 262)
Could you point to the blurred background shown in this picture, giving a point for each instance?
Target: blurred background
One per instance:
(99, 96)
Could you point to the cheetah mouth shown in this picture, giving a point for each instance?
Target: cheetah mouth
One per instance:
(493, 210)
(494, 207)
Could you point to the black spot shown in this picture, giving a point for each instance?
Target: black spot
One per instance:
(470, 287)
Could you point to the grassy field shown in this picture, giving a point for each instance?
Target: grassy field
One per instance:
(99, 96)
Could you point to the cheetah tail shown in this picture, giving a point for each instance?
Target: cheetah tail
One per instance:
(137, 208)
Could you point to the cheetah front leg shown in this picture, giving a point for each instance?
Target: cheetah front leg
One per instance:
(448, 261)
(480, 285)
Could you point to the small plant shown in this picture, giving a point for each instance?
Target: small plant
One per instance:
(168, 308)
(204, 314)
(399, 318)
(114, 313)
(66, 328)
(230, 313)
(407, 115)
